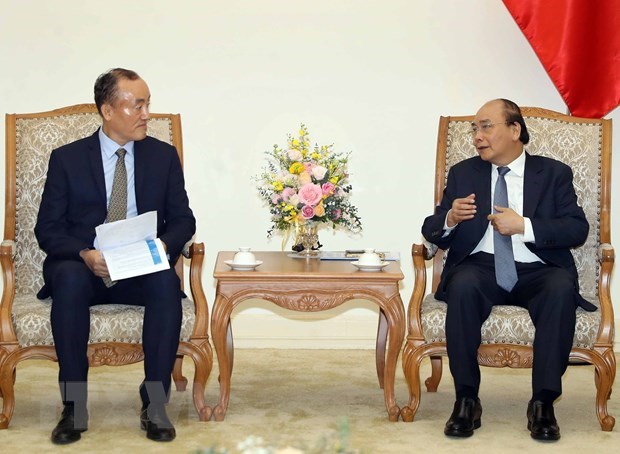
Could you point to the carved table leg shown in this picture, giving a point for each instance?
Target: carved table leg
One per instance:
(382, 332)
(220, 322)
(395, 316)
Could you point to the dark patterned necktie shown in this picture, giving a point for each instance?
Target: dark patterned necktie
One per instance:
(117, 208)
(505, 268)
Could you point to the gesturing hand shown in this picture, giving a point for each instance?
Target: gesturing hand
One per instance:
(506, 221)
(462, 209)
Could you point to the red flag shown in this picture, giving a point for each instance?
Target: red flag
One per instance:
(578, 43)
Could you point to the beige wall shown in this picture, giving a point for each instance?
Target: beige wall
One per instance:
(371, 76)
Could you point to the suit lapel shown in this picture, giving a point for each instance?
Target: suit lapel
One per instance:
(139, 169)
(533, 182)
(96, 165)
(482, 189)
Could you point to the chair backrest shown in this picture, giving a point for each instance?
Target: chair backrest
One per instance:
(30, 139)
(583, 144)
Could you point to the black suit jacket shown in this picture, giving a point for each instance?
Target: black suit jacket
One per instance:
(549, 201)
(74, 197)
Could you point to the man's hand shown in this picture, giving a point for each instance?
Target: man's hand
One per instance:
(506, 221)
(462, 210)
(95, 262)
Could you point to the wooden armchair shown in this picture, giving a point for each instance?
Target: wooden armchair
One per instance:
(116, 330)
(508, 334)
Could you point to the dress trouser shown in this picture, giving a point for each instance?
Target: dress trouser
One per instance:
(548, 293)
(74, 288)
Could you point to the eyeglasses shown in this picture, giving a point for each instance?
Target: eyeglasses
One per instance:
(484, 128)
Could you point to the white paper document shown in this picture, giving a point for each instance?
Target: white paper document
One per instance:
(131, 247)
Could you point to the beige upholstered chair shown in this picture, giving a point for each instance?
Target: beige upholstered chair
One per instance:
(116, 330)
(508, 334)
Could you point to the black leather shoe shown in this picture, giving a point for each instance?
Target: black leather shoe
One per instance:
(69, 428)
(541, 421)
(465, 418)
(155, 421)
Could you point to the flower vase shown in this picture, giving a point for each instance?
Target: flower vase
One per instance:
(308, 238)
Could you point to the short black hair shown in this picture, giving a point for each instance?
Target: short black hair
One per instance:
(106, 85)
(513, 115)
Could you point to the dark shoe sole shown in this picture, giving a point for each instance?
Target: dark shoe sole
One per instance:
(462, 433)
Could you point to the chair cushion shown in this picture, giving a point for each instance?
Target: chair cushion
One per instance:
(505, 325)
(109, 322)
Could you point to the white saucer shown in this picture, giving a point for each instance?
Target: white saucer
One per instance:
(242, 266)
(378, 267)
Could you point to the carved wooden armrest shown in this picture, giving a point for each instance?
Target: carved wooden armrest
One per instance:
(7, 258)
(196, 252)
(605, 252)
(430, 249)
(8, 246)
(420, 253)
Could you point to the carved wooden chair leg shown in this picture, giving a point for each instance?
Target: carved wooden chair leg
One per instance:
(604, 378)
(411, 369)
(177, 374)
(382, 332)
(432, 382)
(7, 381)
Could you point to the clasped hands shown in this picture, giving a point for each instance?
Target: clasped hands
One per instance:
(506, 221)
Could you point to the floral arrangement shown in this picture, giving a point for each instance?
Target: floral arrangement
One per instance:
(305, 184)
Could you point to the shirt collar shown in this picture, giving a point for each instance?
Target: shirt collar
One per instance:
(517, 166)
(109, 147)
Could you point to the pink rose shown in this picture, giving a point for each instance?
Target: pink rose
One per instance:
(307, 212)
(310, 194)
(328, 188)
(275, 198)
(336, 214)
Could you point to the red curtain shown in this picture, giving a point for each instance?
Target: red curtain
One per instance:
(578, 43)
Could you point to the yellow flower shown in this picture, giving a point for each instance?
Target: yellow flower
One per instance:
(319, 210)
(277, 185)
(296, 168)
(295, 143)
(334, 179)
(315, 155)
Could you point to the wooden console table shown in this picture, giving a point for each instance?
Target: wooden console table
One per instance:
(308, 285)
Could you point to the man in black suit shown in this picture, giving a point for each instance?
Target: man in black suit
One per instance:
(527, 240)
(75, 200)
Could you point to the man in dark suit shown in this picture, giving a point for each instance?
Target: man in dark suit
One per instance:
(514, 251)
(79, 186)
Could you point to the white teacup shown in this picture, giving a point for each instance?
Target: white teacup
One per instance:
(244, 257)
(369, 257)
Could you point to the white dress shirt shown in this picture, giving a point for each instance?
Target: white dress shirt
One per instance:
(514, 184)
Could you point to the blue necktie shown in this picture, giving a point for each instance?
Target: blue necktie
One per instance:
(505, 268)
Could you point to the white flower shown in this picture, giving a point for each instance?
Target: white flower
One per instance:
(319, 172)
(294, 155)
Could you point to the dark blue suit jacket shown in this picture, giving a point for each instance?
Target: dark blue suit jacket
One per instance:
(549, 200)
(74, 197)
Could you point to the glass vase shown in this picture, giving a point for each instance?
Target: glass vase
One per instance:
(308, 237)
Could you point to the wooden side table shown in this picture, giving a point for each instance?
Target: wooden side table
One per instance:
(308, 285)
